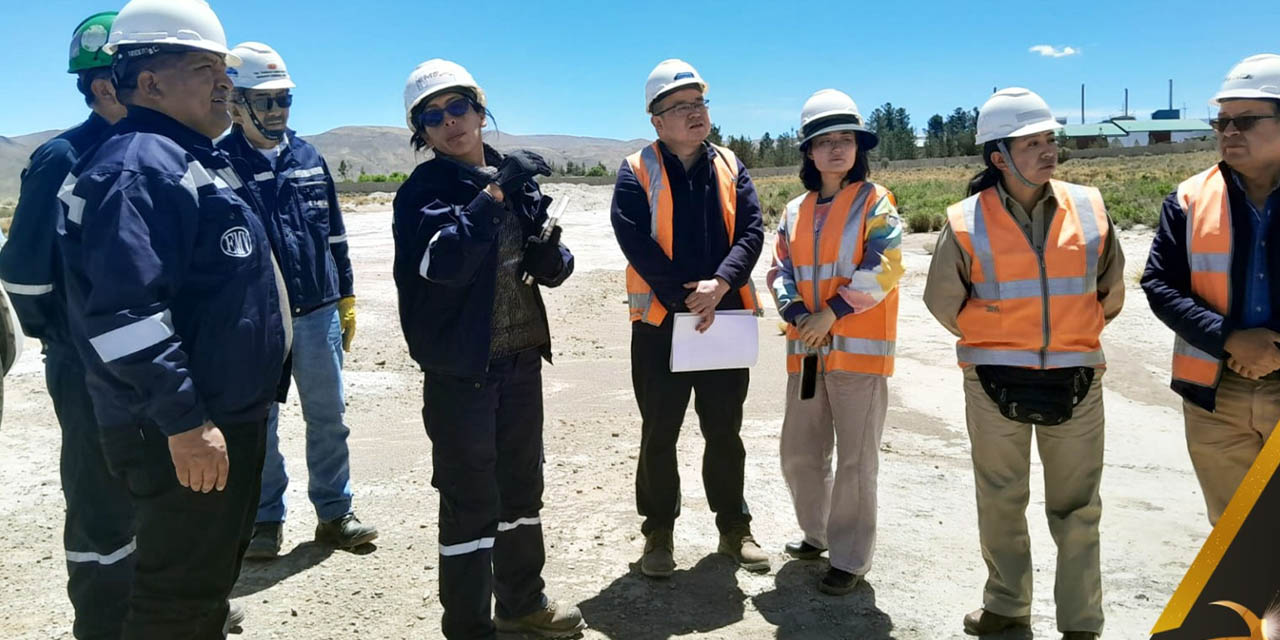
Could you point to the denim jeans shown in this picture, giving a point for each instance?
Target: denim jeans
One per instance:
(317, 372)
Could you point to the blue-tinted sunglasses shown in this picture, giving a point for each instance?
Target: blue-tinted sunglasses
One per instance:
(434, 116)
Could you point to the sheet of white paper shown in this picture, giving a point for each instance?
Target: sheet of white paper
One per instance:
(732, 342)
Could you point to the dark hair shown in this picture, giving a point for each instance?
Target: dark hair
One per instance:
(418, 137)
(85, 80)
(989, 176)
(812, 178)
(125, 70)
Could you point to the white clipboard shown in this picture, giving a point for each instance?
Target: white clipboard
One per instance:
(732, 342)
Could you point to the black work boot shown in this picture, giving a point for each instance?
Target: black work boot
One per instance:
(266, 541)
(346, 532)
(803, 550)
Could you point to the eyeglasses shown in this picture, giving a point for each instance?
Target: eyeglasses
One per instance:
(264, 103)
(685, 108)
(434, 116)
(1243, 123)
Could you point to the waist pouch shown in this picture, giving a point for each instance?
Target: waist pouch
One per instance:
(1034, 396)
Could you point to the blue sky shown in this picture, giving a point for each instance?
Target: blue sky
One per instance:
(579, 68)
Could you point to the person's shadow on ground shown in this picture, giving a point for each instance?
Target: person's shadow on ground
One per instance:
(257, 575)
(701, 599)
(799, 610)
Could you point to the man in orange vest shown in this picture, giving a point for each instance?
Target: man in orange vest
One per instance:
(687, 218)
(1209, 278)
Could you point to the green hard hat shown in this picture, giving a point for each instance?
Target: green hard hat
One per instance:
(86, 43)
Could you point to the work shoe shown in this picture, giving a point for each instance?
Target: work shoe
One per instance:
(981, 622)
(803, 550)
(740, 546)
(551, 621)
(838, 583)
(1079, 635)
(345, 533)
(658, 560)
(266, 541)
(235, 617)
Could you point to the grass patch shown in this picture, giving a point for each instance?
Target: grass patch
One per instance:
(1132, 187)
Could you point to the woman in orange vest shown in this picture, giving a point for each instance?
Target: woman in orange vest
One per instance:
(835, 276)
(1026, 273)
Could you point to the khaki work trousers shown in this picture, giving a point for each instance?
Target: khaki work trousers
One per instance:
(1224, 443)
(836, 511)
(1071, 454)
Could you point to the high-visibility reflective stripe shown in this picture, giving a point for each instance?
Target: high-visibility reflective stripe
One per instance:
(338, 239)
(507, 526)
(463, 548)
(426, 255)
(305, 173)
(1020, 358)
(653, 167)
(227, 178)
(799, 348)
(1211, 262)
(978, 236)
(26, 289)
(103, 559)
(639, 300)
(1183, 348)
(133, 337)
(75, 204)
(197, 176)
(318, 204)
(851, 235)
(862, 346)
(1089, 227)
(265, 175)
(1014, 289)
(824, 271)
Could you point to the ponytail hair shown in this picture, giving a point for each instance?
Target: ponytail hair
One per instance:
(989, 176)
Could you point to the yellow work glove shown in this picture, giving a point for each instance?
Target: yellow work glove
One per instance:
(347, 318)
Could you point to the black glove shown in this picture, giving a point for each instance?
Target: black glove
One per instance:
(518, 168)
(542, 258)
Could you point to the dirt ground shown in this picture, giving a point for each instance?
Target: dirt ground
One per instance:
(928, 569)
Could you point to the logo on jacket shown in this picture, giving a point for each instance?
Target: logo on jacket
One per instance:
(237, 242)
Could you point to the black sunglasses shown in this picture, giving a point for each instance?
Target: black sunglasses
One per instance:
(1243, 123)
(434, 116)
(264, 103)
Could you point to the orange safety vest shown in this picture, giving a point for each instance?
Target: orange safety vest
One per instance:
(1025, 310)
(824, 262)
(647, 165)
(1204, 199)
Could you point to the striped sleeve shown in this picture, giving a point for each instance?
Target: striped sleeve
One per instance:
(881, 267)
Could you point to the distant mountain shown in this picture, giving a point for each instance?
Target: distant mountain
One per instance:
(373, 149)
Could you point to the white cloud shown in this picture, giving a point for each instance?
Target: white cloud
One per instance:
(1050, 51)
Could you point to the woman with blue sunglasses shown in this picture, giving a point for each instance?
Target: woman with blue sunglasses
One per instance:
(468, 230)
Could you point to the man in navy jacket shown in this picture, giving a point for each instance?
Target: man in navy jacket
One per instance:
(705, 268)
(98, 529)
(1211, 278)
(178, 312)
(301, 216)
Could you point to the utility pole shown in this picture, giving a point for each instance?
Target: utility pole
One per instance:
(1081, 103)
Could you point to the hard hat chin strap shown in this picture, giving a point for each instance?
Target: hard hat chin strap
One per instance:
(1013, 167)
(274, 136)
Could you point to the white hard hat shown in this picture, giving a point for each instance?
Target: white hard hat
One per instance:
(260, 68)
(179, 23)
(1013, 113)
(433, 77)
(668, 76)
(831, 110)
(1256, 77)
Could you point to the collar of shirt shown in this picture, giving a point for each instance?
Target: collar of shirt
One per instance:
(1271, 199)
(144, 120)
(672, 163)
(274, 152)
(1047, 202)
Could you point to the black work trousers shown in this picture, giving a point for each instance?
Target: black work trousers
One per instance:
(190, 544)
(663, 397)
(97, 533)
(486, 452)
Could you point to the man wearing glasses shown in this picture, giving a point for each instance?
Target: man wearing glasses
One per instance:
(300, 209)
(687, 218)
(1209, 278)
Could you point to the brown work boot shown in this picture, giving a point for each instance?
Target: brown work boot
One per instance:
(658, 560)
(739, 545)
(551, 621)
(981, 622)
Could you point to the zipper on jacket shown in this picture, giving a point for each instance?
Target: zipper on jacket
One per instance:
(817, 298)
(1044, 283)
